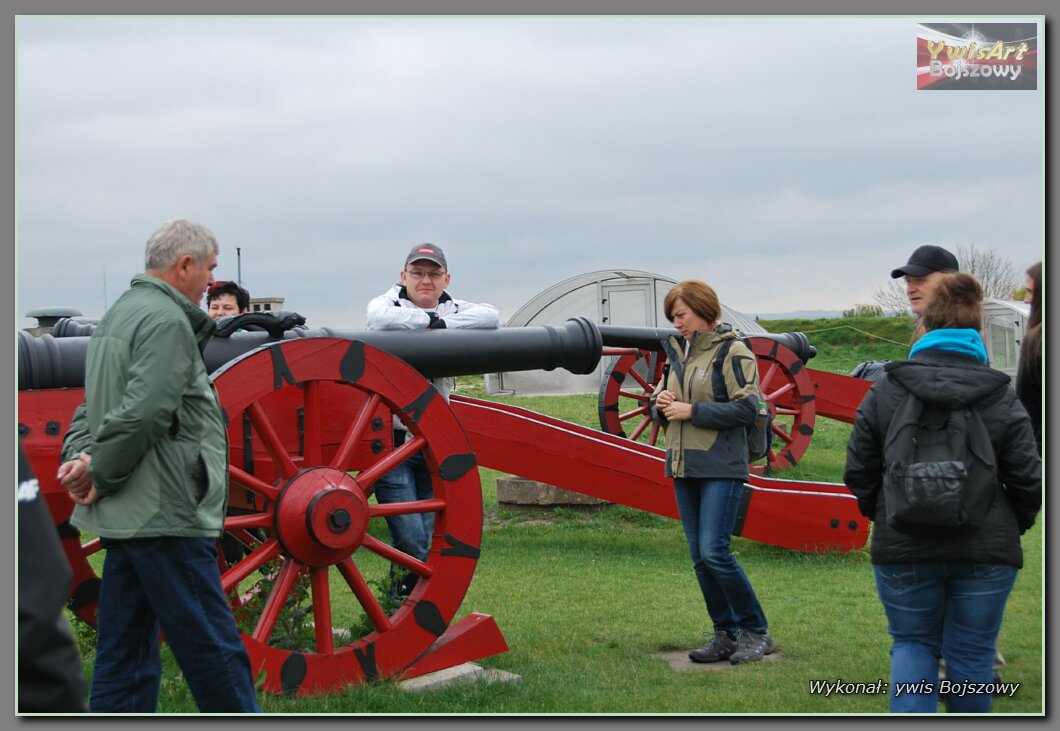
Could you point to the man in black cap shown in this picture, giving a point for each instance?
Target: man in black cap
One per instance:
(419, 301)
(921, 273)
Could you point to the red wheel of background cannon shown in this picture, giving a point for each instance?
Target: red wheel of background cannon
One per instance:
(314, 516)
(628, 382)
(790, 397)
(786, 386)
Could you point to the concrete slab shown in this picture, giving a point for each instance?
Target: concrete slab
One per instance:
(678, 660)
(467, 672)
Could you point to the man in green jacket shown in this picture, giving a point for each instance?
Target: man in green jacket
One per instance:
(146, 463)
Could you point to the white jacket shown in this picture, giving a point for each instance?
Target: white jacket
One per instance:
(395, 311)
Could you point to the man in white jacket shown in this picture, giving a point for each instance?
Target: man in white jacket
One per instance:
(419, 301)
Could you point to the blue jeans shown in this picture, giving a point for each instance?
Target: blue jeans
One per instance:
(949, 610)
(407, 482)
(173, 584)
(708, 513)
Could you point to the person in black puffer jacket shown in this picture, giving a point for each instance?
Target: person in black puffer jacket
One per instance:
(945, 596)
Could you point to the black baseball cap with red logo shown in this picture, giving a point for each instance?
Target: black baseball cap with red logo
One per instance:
(430, 252)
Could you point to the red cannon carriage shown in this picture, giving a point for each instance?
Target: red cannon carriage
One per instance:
(310, 415)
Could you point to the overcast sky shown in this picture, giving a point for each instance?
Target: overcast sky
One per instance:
(790, 162)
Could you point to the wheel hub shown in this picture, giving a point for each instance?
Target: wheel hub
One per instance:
(321, 516)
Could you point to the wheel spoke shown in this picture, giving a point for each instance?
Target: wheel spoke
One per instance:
(271, 439)
(270, 613)
(93, 546)
(641, 380)
(252, 483)
(243, 536)
(392, 460)
(411, 506)
(653, 437)
(311, 430)
(364, 595)
(253, 520)
(341, 459)
(774, 395)
(764, 381)
(641, 427)
(787, 412)
(637, 396)
(400, 558)
(325, 640)
(780, 432)
(635, 412)
(258, 558)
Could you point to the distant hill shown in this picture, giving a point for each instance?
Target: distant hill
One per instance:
(798, 315)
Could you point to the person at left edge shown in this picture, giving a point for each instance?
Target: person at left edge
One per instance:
(420, 300)
(146, 464)
(49, 665)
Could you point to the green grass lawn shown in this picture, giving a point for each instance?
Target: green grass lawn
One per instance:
(588, 599)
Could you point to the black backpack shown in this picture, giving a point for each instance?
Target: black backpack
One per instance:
(760, 433)
(940, 472)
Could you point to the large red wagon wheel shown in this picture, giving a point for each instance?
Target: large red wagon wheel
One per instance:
(786, 386)
(314, 515)
(628, 382)
(789, 395)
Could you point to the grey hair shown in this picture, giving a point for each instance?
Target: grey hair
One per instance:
(174, 239)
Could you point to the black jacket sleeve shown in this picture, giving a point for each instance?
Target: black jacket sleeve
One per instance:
(864, 467)
(1019, 467)
(50, 679)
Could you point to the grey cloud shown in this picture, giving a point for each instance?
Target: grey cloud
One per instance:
(533, 149)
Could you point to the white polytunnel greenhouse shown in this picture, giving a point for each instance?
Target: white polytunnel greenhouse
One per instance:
(623, 297)
(1003, 324)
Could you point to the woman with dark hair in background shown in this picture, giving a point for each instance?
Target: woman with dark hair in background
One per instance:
(1029, 374)
(944, 592)
(225, 299)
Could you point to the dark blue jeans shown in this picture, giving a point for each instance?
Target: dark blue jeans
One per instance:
(173, 584)
(407, 482)
(708, 513)
(949, 610)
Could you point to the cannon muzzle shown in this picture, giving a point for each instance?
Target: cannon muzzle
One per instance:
(59, 362)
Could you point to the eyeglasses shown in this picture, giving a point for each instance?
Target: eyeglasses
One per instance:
(419, 274)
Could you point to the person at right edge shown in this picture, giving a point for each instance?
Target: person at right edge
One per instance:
(944, 595)
(707, 457)
(1029, 373)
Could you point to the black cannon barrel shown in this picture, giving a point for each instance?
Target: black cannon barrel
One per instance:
(652, 338)
(67, 328)
(50, 362)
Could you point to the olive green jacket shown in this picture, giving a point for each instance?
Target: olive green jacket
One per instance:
(713, 443)
(151, 420)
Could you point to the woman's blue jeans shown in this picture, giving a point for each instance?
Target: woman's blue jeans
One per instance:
(173, 584)
(708, 514)
(949, 610)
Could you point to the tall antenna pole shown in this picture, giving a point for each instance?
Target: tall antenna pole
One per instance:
(239, 269)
